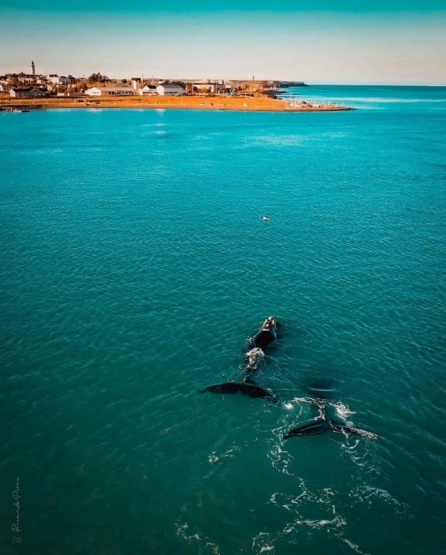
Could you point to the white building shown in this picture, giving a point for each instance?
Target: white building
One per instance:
(26, 78)
(110, 91)
(94, 91)
(148, 90)
(208, 86)
(169, 89)
(53, 78)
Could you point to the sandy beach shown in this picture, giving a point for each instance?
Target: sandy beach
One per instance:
(261, 104)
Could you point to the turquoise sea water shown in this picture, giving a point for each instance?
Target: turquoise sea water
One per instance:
(134, 267)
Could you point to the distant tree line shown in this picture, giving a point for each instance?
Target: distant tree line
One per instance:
(97, 78)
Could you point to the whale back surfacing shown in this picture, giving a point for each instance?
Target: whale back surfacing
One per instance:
(263, 338)
(324, 424)
(267, 333)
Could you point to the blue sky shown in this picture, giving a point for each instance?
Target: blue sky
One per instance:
(380, 42)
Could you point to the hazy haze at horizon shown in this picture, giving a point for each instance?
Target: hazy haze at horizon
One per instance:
(333, 43)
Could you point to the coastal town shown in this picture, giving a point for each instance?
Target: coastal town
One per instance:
(25, 91)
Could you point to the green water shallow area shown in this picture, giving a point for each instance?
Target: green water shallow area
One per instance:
(135, 265)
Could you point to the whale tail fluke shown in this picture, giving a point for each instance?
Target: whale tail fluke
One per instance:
(247, 388)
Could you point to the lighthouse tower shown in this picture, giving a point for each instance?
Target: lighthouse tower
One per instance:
(33, 67)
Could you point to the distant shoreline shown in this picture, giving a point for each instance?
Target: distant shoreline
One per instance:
(217, 103)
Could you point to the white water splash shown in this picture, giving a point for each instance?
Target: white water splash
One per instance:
(352, 545)
(280, 459)
(213, 457)
(370, 495)
(264, 541)
(196, 538)
(307, 501)
(342, 410)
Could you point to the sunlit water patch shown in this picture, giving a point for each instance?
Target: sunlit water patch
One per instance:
(136, 264)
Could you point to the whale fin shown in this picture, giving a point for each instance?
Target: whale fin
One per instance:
(321, 426)
(347, 430)
(318, 426)
(248, 389)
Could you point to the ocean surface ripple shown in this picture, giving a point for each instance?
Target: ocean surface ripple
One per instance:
(135, 267)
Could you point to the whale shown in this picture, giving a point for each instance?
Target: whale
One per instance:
(323, 424)
(259, 342)
(267, 333)
(248, 388)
